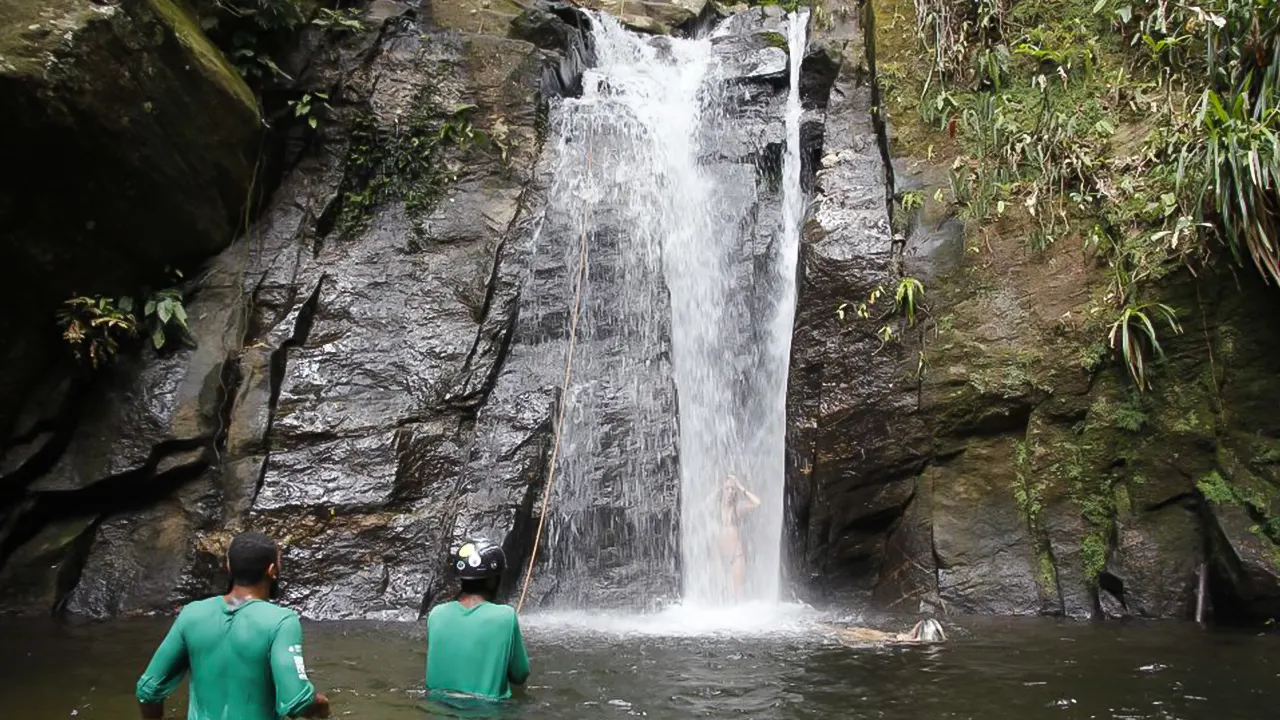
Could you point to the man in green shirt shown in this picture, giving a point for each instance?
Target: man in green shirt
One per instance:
(244, 652)
(474, 646)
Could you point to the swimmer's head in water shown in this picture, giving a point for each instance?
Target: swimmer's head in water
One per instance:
(928, 630)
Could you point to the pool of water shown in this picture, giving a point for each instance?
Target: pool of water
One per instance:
(750, 664)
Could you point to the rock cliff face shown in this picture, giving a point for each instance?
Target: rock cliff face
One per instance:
(372, 375)
(997, 460)
(129, 146)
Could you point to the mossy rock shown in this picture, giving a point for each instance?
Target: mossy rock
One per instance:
(130, 145)
(44, 568)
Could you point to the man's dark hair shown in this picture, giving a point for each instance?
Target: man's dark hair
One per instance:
(484, 587)
(250, 555)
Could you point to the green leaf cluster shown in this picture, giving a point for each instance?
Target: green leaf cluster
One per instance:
(95, 327)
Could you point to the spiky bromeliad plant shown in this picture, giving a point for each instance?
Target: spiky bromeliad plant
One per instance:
(908, 297)
(1133, 330)
(1232, 161)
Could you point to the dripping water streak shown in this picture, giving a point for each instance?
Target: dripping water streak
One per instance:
(779, 362)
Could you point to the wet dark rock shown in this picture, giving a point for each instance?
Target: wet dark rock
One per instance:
(1245, 571)
(38, 574)
(142, 407)
(852, 439)
(378, 12)
(130, 146)
(985, 554)
(541, 26)
(367, 391)
(1157, 555)
(148, 560)
(651, 16)
(753, 57)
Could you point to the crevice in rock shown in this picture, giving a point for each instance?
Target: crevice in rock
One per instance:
(518, 543)
(69, 572)
(62, 427)
(1114, 586)
(503, 351)
(228, 388)
(818, 73)
(120, 493)
(878, 114)
(704, 22)
(876, 523)
(473, 400)
(279, 359)
(1188, 500)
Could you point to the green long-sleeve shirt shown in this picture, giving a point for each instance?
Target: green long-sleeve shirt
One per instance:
(245, 662)
(475, 651)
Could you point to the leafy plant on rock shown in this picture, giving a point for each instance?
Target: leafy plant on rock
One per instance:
(163, 314)
(250, 31)
(94, 327)
(1133, 333)
(310, 106)
(339, 22)
(907, 298)
(97, 326)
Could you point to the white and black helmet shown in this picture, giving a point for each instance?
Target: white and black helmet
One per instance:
(477, 559)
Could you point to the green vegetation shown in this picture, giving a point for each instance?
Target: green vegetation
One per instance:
(310, 106)
(908, 299)
(250, 32)
(405, 163)
(905, 208)
(1093, 554)
(788, 5)
(1218, 490)
(253, 33)
(1145, 130)
(1028, 493)
(96, 327)
(1135, 336)
(339, 22)
(776, 39)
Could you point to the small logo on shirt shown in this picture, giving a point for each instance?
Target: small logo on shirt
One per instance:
(302, 669)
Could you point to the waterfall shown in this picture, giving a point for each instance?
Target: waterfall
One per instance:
(624, 181)
(686, 324)
(793, 207)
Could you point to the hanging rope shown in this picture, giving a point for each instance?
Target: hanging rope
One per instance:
(580, 282)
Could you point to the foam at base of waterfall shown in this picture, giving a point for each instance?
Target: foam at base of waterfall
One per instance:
(684, 620)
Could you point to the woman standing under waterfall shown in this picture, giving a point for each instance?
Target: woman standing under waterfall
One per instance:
(735, 501)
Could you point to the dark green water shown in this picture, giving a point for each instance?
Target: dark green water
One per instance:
(989, 670)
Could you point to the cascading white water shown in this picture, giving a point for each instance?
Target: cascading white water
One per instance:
(732, 377)
(626, 181)
(676, 256)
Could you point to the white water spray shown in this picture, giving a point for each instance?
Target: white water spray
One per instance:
(731, 358)
(683, 230)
